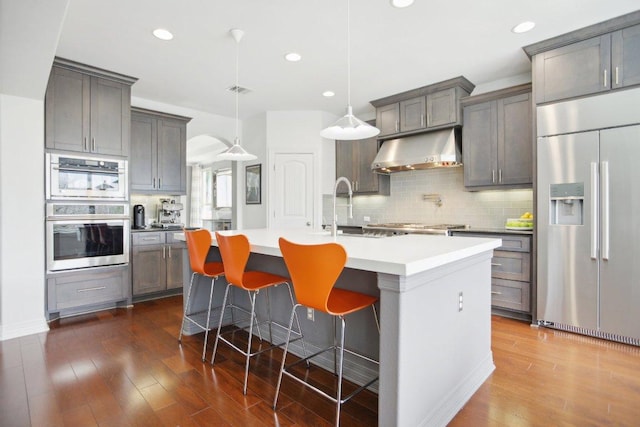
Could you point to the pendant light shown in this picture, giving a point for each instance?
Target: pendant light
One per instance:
(349, 127)
(236, 152)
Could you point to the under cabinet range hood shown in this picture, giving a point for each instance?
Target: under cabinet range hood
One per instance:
(424, 151)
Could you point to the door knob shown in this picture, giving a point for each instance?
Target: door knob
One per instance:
(308, 223)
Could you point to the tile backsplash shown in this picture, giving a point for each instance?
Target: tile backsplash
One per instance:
(486, 209)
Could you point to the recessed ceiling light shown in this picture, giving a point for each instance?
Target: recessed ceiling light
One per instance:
(523, 27)
(293, 57)
(401, 3)
(328, 93)
(162, 34)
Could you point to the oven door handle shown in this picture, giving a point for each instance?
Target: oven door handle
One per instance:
(87, 218)
(102, 171)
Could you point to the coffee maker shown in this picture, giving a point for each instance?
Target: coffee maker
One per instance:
(138, 217)
(169, 214)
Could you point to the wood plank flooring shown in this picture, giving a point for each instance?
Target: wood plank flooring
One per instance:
(124, 368)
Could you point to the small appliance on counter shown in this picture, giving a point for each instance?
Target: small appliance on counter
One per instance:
(138, 217)
(169, 214)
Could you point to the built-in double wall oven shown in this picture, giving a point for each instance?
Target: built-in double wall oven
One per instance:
(87, 212)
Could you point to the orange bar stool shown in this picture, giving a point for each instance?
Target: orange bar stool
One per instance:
(198, 245)
(314, 270)
(235, 250)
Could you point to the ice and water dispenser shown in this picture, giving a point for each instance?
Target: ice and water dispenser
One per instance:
(566, 204)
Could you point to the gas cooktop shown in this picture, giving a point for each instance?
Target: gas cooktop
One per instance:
(409, 227)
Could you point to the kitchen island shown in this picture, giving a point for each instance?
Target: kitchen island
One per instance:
(435, 307)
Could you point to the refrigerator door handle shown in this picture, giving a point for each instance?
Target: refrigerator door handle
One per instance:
(604, 181)
(594, 210)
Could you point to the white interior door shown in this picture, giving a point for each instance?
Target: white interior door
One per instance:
(293, 190)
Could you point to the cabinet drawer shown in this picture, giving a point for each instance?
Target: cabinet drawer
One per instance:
(148, 238)
(510, 294)
(511, 265)
(86, 289)
(510, 242)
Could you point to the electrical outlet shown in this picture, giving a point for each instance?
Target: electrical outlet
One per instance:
(460, 301)
(310, 314)
(366, 218)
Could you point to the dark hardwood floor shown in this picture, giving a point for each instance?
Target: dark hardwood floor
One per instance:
(125, 368)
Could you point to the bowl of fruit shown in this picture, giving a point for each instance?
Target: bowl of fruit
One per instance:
(525, 222)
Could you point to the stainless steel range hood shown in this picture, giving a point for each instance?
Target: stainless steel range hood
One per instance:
(424, 151)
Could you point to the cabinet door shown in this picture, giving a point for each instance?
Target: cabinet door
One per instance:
(479, 144)
(625, 57)
(345, 161)
(67, 106)
(412, 114)
(442, 108)
(110, 117)
(388, 119)
(172, 157)
(581, 68)
(149, 269)
(367, 181)
(174, 265)
(143, 165)
(515, 140)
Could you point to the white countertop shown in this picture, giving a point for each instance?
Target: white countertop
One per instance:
(402, 255)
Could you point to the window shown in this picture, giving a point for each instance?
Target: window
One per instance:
(223, 188)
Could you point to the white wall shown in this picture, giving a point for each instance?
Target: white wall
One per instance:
(254, 140)
(299, 132)
(22, 286)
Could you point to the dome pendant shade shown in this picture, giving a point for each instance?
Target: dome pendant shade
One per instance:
(236, 153)
(349, 128)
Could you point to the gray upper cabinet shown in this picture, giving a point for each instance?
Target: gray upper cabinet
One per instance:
(625, 57)
(588, 61)
(574, 70)
(353, 161)
(423, 109)
(412, 114)
(442, 108)
(158, 152)
(497, 139)
(87, 110)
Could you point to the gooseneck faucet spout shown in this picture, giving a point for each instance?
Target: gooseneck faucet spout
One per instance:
(334, 223)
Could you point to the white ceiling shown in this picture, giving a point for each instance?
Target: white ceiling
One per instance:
(392, 50)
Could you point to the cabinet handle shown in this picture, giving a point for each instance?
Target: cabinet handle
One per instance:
(495, 264)
(604, 81)
(422, 120)
(154, 183)
(500, 175)
(355, 184)
(97, 288)
(169, 251)
(86, 144)
(159, 183)
(146, 239)
(617, 82)
(93, 144)
(496, 293)
(397, 126)
(164, 252)
(493, 176)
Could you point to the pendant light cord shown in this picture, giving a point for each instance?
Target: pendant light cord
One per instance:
(237, 88)
(348, 54)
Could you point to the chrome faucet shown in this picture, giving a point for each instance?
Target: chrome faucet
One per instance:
(334, 223)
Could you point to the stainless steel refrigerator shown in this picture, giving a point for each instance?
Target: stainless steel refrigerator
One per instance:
(588, 225)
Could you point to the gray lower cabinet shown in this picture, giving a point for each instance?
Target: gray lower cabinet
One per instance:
(510, 274)
(497, 139)
(353, 161)
(156, 262)
(158, 161)
(89, 289)
(87, 111)
(594, 65)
